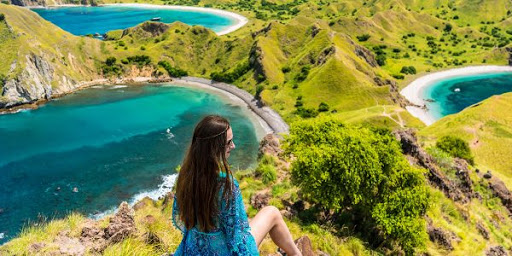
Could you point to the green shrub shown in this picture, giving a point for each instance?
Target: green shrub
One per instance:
(408, 70)
(381, 59)
(363, 38)
(2, 17)
(286, 69)
(267, 172)
(398, 76)
(306, 112)
(230, 77)
(456, 147)
(259, 90)
(174, 72)
(139, 60)
(110, 61)
(323, 107)
(360, 172)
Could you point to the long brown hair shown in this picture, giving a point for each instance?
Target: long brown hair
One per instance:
(198, 184)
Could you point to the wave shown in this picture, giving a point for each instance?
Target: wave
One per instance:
(118, 86)
(165, 187)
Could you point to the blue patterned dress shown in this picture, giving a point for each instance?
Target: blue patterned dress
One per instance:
(231, 237)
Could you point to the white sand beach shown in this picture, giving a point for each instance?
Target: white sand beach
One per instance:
(240, 20)
(414, 91)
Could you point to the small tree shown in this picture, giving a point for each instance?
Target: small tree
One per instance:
(323, 107)
(361, 172)
(110, 61)
(363, 38)
(456, 147)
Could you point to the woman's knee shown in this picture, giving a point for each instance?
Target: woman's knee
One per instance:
(272, 212)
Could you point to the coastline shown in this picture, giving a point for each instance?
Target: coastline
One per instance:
(264, 118)
(240, 20)
(415, 90)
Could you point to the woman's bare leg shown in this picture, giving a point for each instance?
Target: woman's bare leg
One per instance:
(269, 221)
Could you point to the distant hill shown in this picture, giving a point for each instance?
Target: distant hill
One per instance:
(39, 60)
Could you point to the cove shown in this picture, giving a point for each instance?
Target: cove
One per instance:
(452, 95)
(83, 20)
(112, 144)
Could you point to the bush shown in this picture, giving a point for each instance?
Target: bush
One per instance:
(398, 76)
(323, 107)
(174, 72)
(230, 77)
(267, 172)
(304, 72)
(110, 61)
(306, 112)
(259, 90)
(456, 147)
(139, 60)
(363, 38)
(408, 70)
(360, 172)
(2, 17)
(381, 59)
(286, 69)
(448, 27)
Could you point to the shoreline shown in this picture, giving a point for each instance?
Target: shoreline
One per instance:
(239, 19)
(265, 119)
(415, 90)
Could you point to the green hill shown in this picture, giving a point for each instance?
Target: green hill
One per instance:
(487, 127)
(39, 60)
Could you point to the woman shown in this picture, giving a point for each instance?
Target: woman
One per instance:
(208, 206)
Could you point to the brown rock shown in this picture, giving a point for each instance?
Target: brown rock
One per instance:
(418, 156)
(149, 219)
(168, 200)
(304, 245)
(142, 203)
(462, 172)
(93, 238)
(496, 251)
(260, 199)
(69, 246)
(500, 190)
(36, 247)
(270, 145)
(365, 54)
(482, 230)
(121, 225)
(439, 236)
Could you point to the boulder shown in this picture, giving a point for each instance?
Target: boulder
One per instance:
(440, 237)
(496, 251)
(121, 225)
(462, 172)
(142, 203)
(260, 199)
(482, 230)
(416, 155)
(69, 246)
(270, 145)
(36, 247)
(500, 190)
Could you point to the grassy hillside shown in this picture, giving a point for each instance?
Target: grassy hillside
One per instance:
(486, 126)
(35, 54)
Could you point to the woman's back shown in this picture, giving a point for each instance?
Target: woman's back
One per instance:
(231, 236)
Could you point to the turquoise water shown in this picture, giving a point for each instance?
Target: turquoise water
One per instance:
(453, 95)
(90, 20)
(111, 144)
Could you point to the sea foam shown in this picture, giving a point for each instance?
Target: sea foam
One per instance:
(165, 187)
